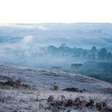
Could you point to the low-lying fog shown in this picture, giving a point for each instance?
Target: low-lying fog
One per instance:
(62, 46)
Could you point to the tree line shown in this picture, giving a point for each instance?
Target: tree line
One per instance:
(92, 54)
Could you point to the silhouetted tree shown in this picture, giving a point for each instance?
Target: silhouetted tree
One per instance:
(109, 56)
(93, 52)
(102, 54)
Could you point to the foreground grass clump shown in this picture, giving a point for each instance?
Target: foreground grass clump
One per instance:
(8, 83)
(55, 87)
(62, 103)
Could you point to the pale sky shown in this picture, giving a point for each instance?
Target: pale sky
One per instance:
(58, 11)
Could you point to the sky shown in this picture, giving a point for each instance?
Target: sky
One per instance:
(58, 11)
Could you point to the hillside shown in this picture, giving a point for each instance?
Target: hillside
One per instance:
(36, 88)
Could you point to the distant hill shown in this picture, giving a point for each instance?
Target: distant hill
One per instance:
(99, 70)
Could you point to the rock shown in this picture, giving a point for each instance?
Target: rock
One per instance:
(83, 103)
(50, 99)
(100, 106)
(90, 103)
(73, 90)
(68, 103)
(77, 101)
(61, 98)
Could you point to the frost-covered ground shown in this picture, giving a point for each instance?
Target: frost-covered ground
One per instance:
(36, 101)
(47, 92)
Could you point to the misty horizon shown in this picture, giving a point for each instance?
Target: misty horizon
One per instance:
(27, 44)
